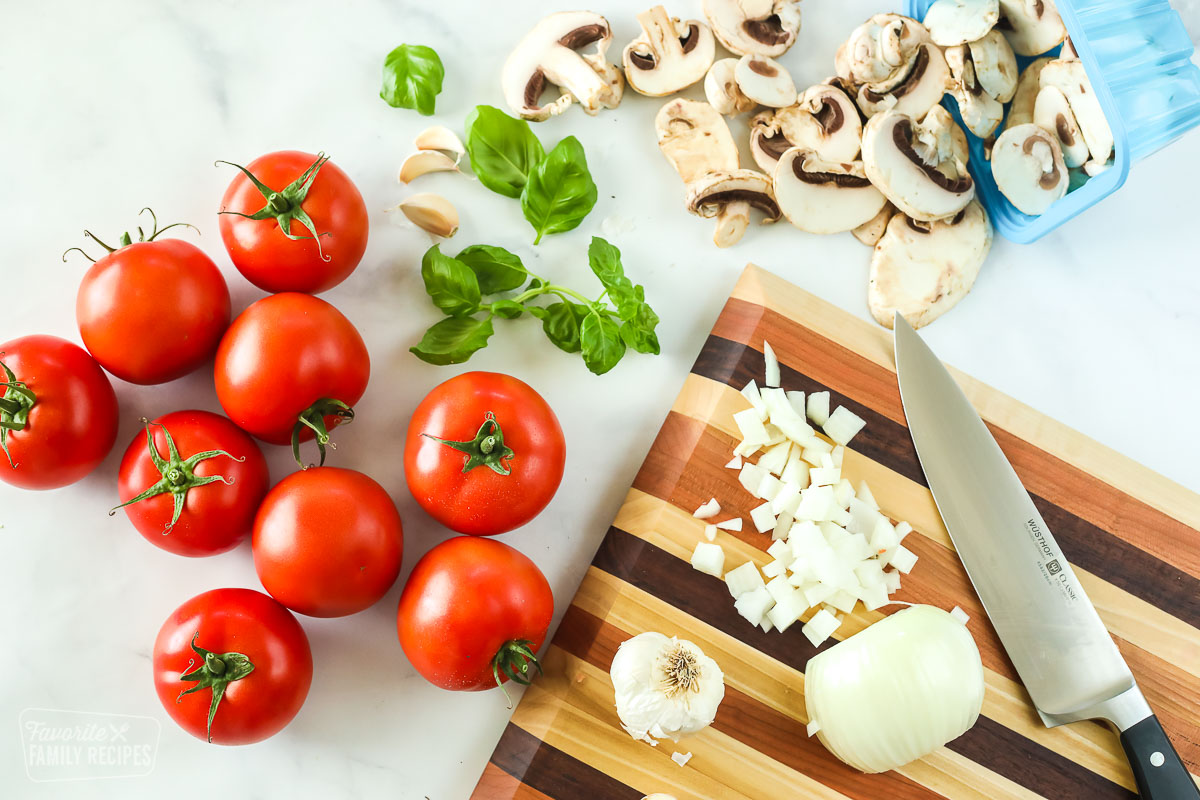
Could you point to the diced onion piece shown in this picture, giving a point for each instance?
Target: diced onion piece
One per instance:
(816, 504)
(818, 593)
(709, 558)
(780, 589)
(762, 518)
(774, 434)
(818, 407)
(812, 728)
(774, 459)
(781, 550)
(788, 610)
(681, 758)
(751, 426)
(771, 372)
(840, 515)
(821, 627)
(797, 401)
(754, 604)
(839, 456)
(797, 579)
(784, 417)
(843, 425)
(766, 624)
(824, 476)
(805, 537)
(708, 510)
(843, 600)
(746, 449)
(751, 393)
(788, 499)
(768, 488)
(863, 517)
(745, 578)
(874, 597)
(883, 536)
(800, 569)
(751, 476)
(783, 523)
(902, 529)
(796, 470)
(735, 462)
(734, 524)
(710, 532)
(960, 615)
(843, 492)
(775, 569)
(869, 573)
(904, 559)
(891, 581)
(826, 461)
(864, 494)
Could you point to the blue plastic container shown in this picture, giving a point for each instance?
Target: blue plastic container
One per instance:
(1137, 55)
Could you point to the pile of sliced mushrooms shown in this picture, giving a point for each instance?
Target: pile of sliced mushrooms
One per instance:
(869, 150)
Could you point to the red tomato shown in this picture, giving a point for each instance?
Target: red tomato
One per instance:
(192, 483)
(61, 409)
(290, 356)
(484, 453)
(152, 311)
(318, 255)
(235, 655)
(474, 614)
(328, 542)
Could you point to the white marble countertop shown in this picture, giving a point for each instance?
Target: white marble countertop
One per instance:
(109, 107)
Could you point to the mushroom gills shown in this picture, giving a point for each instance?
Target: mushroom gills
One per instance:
(1070, 78)
(754, 27)
(825, 121)
(923, 269)
(923, 191)
(767, 141)
(1052, 113)
(670, 54)
(729, 196)
(1027, 164)
(920, 86)
(824, 197)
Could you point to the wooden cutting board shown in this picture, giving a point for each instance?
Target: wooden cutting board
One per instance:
(1131, 535)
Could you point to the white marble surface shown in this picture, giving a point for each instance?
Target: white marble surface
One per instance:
(108, 107)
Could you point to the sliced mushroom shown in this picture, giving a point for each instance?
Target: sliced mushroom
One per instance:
(1031, 26)
(925, 186)
(765, 81)
(670, 55)
(821, 196)
(824, 120)
(1028, 86)
(721, 89)
(1094, 168)
(1070, 78)
(432, 213)
(913, 91)
(995, 65)
(939, 138)
(754, 27)
(923, 270)
(880, 51)
(729, 196)
(980, 112)
(1068, 52)
(870, 231)
(442, 139)
(1028, 167)
(1052, 113)
(767, 142)
(423, 162)
(952, 22)
(548, 54)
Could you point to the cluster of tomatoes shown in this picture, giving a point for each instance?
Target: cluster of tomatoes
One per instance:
(484, 454)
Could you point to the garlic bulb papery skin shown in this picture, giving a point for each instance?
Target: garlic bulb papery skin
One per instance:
(665, 687)
(896, 691)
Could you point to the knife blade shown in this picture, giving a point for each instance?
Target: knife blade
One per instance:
(1064, 655)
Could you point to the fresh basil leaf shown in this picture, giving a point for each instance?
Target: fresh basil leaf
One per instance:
(412, 78)
(605, 261)
(601, 341)
(496, 269)
(451, 284)
(641, 337)
(560, 191)
(507, 309)
(503, 150)
(453, 340)
(561, 323)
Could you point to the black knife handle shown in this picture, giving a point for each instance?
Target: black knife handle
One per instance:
(1157, 768)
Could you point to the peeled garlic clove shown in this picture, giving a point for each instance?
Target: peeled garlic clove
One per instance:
(424, 161)
(432, 213)
(439, 137)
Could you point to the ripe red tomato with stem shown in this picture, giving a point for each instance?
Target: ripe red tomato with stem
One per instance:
(290, 368)
(473, 615)
(484, 453)
(58, 412)
(232, 666)
(193, 483)
(328, 542)
(307, 235)
(153, 310)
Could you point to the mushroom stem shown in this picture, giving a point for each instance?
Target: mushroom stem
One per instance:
(732, 221)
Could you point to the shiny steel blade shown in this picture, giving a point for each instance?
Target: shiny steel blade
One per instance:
(1061, 649)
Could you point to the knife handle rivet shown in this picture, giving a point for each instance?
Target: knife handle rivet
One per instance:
(1157, 759)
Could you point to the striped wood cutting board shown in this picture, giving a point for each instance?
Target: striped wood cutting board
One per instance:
(1131, 535)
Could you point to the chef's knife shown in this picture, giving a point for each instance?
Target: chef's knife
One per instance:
(1051, 631)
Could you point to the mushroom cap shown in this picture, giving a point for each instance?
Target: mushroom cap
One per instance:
(870, 231)
(548, 55)
(765, 81)
(1028, 167)
(669, 56)
(1031, 26)
(695, 139)
(923, 270)
(824, 120)
(767, 142)
(821, 196)
(980, 112)
(754, 27)
(921, 85)
(995, 65)
(952, 22)
(1028, 86)
(1070, 78)
(924, 190)
(721, 89)
(1052, 113)
(708, 195)
(879, 49)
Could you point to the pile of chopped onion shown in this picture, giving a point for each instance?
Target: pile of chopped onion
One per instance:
(832, 546)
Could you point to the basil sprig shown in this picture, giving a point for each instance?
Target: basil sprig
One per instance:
(412, 78)
(600, 330)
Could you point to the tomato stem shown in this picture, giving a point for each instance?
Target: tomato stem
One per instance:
(126, 239)
(15, 405)
(513, 661)
(178, 474)
(486, 449)
(216, 672)
(287, 204)
(313, 418)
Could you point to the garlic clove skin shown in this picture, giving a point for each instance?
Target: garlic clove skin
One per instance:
(665, 687)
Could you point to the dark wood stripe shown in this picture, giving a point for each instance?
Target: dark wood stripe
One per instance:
(704, 597)
(750, 722)
(496, 784)
(887, 442)
(552, 772)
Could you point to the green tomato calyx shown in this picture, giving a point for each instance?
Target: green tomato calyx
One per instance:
(126, 239)
(313, 418)
(288, 203)
(486, 449)
(216, 672)
(513, 661)
(15, 404)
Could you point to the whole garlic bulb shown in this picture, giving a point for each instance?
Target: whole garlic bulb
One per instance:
(665, 687)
